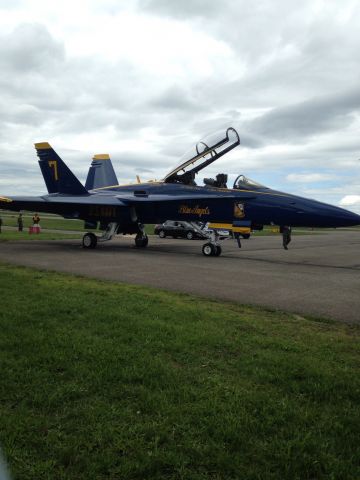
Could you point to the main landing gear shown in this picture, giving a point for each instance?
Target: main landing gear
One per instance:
(141, 240)
(90, 240)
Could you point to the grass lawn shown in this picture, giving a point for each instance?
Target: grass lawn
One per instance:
(107, 381)
(53, 222)
(11, 235)
(47, 221)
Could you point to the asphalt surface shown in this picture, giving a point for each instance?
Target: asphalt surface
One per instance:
(319, 275)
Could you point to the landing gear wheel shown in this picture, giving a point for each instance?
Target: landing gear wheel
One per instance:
(141, 241)
(162, 234)
(208, 250)
(89, 240)
(189, 235)
(217, 251)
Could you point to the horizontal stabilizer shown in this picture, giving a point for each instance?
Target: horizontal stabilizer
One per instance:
(58, 177)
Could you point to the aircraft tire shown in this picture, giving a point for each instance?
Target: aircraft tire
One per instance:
(141, 242)
(208, 250)
(217, 251)
(246, 236)
(189, 235)
(89, 240)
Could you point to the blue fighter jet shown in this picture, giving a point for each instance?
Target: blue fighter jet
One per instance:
(127, 208)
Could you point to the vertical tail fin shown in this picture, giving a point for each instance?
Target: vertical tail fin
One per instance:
(101, 173)
(58, 177)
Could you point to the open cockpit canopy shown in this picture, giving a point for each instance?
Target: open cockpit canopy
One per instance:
(206, 152)
(245, 183)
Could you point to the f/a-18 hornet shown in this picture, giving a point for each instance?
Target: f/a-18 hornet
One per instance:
(127, 208)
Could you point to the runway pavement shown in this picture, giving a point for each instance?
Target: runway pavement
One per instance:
(319, 275)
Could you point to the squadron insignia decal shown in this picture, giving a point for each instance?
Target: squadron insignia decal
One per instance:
(239, 210)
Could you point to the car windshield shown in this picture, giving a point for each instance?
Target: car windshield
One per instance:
(245, 182)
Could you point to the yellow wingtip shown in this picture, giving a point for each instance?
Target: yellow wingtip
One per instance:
(101, 156)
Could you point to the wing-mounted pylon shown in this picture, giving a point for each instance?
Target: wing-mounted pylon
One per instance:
(207, 152)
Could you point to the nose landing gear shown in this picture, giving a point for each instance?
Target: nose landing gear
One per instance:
(212, 249)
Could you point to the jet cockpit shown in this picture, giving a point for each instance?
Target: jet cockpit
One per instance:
(245, 183)
(206, 152)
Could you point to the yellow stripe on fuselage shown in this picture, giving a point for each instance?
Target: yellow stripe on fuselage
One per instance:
(229, 226)
(226, 226)
(241, 229)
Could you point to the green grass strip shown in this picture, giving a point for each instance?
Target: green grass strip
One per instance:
(108, 381)
(13, 235)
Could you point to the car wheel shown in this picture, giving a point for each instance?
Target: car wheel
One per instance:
(208, 250)
(162, 234)
(89, 240)
(189, 235)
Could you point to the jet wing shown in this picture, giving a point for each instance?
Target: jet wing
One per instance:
(35, 203)
(5, 202)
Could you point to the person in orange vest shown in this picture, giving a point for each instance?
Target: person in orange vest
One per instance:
(36, 223)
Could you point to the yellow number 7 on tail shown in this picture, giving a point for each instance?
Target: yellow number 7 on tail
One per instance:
(53, 164)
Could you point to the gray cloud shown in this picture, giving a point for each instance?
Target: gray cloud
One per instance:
(310, 118)
(182, 10)
(30, 48)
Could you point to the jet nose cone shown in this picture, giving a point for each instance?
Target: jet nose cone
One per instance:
(344, 218)
(353, 219)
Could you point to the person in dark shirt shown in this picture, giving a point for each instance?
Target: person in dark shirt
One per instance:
(286, 235)
(20, 222)
(237, 238)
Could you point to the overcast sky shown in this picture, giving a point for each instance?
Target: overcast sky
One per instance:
(144, 80)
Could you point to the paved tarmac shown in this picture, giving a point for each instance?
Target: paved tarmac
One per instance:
(319, 275)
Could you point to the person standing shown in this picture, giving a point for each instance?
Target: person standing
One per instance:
(237, 238)
(36, 223)
(20, 222)
(286, 234)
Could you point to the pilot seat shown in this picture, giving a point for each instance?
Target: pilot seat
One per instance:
(220, 182)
